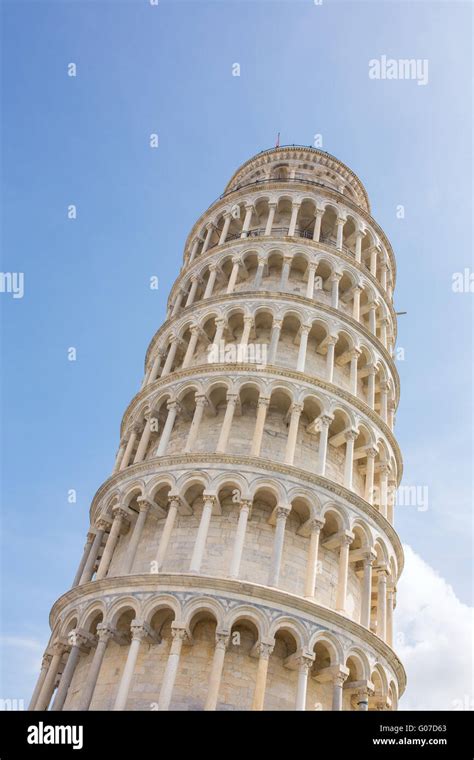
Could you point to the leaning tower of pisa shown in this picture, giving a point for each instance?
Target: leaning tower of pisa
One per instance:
(242, 554)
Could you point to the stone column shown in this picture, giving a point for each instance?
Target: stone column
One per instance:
(383, 331)
(362, 699)
(346, 540)
(310, 285)
(373, 262)
(211, 281)
(248, 322)
(263, 404)
(392, 489)
(175, 341)
(79, 641)
(233, 274)
(173, 506)
(383, 488)
(192, 292)
(177, 302)
(244, 512)
(201, 403)
(296, 410)
(355, 353)
(144, 506)
(222, 639)
(271, 217)
(369, 476)
(383, 400)
(304, 330)
(220, 327)
(95, 548)
(331, 344)
(373, 317)
(139, 632)
(194, 249)
(259, 273)
(144, 441)
(371, 386)
(281, 514)
(198, 551)
(383, 275)
(82, 564)
(47, 688)
(356, 303)
(390, 605)
(294, 216)
(285, 272)
(324, 422)
(104, 634)
(120, 515)
(179, 637)
(225, 229)
(312, 563)
(207, 239)
(358, 246)
(340, 227)
(382, 602)
(275, 337)
(335, 278)
(305, 663)
(227, 423)
(264, 650)
(173, 408)
(45, 663)
(350, 437)
(119, 457)
(155, 368)
(247, 220)
(338, 683)
(317, 224)
(193, 341)
(366, 599)
(130, 444)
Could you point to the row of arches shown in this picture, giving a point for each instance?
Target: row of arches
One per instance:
(319, 279)
(316, 168)
(295, 216)
(287, 338)
(295, 542)
(306, 429)
(162, 654)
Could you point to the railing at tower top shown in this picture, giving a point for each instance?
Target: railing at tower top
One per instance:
(296, 178)
(283, 232)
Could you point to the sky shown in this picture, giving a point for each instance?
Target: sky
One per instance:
(166, 69)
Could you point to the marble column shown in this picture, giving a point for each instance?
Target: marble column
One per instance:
(94, 552)
(173, 409)
(346, 540)
(222, 640)
(331, 344)
(85, 554)
(139, 632)
(45, 663)
(263, 404)
(366, 597)
(179, 636)
(312, 563)
(296, 410)
(317, 224)
(324, 422)
(264, 651)
(244, 512)
(201, 403)
(120, 515)
(79, 642)
(104, 634)
(305, 663)
(144, 507)
(281, 514)
(270, 218)
(227, 423)
(173, 507)
(199, 546)
(47, 688)
(350, 437)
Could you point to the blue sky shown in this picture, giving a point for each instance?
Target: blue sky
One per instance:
(167, 69)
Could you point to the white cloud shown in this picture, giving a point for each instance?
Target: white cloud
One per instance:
(434, 640)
